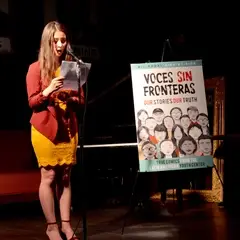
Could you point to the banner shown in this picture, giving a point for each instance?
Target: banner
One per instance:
(171, 116)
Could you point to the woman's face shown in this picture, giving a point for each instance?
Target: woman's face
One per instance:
(59, 43)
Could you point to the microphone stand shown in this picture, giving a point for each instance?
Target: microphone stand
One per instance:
(81, 144)
(82, 165)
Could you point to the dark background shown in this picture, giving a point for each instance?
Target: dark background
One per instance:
(125, 32)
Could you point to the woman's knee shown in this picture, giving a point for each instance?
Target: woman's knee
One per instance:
(47, 175)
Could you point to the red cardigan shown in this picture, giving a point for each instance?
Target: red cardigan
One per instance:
(44, 115)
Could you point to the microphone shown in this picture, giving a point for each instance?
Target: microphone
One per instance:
(70, 52)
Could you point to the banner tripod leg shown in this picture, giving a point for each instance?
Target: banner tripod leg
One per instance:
(174, 201)
(221, 204)
(130, 202)
(219, 177)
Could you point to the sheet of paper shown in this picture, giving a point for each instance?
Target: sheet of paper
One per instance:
(71, 71)
(83, 71)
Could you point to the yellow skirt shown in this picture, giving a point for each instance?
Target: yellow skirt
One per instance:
(50, 154)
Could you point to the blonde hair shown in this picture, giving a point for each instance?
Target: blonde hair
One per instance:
(47, 59)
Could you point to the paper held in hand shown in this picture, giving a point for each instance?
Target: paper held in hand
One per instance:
(73, 72)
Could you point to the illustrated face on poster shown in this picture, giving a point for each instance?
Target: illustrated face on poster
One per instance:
(170, 111)
(143, 133)
(185, 122)
(176, 114)
(149, 150)
(158, 115)
(188, 146)
(205, 144)
(151, 124)
(178, 132)
(168, 122)
(192, 113)
(167, 148)
(160, 133)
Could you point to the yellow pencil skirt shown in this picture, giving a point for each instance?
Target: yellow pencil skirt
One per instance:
(50, 154)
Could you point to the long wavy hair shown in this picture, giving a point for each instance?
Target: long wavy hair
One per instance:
(47, 59)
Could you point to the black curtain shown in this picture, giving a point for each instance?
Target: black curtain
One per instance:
(25, 27)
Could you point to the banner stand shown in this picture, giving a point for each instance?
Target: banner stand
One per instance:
(166, 42)
(142, 169)
(130, 201)
(137, 173)
(133, 194)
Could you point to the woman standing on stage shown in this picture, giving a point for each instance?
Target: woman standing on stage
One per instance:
(54, 129)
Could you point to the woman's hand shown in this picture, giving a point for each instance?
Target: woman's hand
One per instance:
(75, 99)
(55, 85)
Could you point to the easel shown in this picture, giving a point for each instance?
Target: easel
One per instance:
(219, 137)
(138, 172)
(166, 42)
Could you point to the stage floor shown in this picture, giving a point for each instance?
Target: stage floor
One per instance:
(204, 222)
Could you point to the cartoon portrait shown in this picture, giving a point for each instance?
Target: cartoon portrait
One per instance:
(167, 149)
(192, 113)
(142, 115)
(178, 134)
(202, 120)
(149, 150)
(168, 122)
(160, 133)
(205, 145)
(151, 124)
(187, 146)
(176, 114)
(158, 115)
(185, 122)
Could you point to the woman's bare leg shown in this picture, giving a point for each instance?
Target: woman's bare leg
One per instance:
(46, 196)
(64, 191)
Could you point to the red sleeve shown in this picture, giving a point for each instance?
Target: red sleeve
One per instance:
(34, 90)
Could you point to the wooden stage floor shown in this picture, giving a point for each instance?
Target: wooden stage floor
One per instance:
(204, 222)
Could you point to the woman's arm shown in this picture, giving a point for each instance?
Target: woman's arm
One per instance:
(36, 97)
